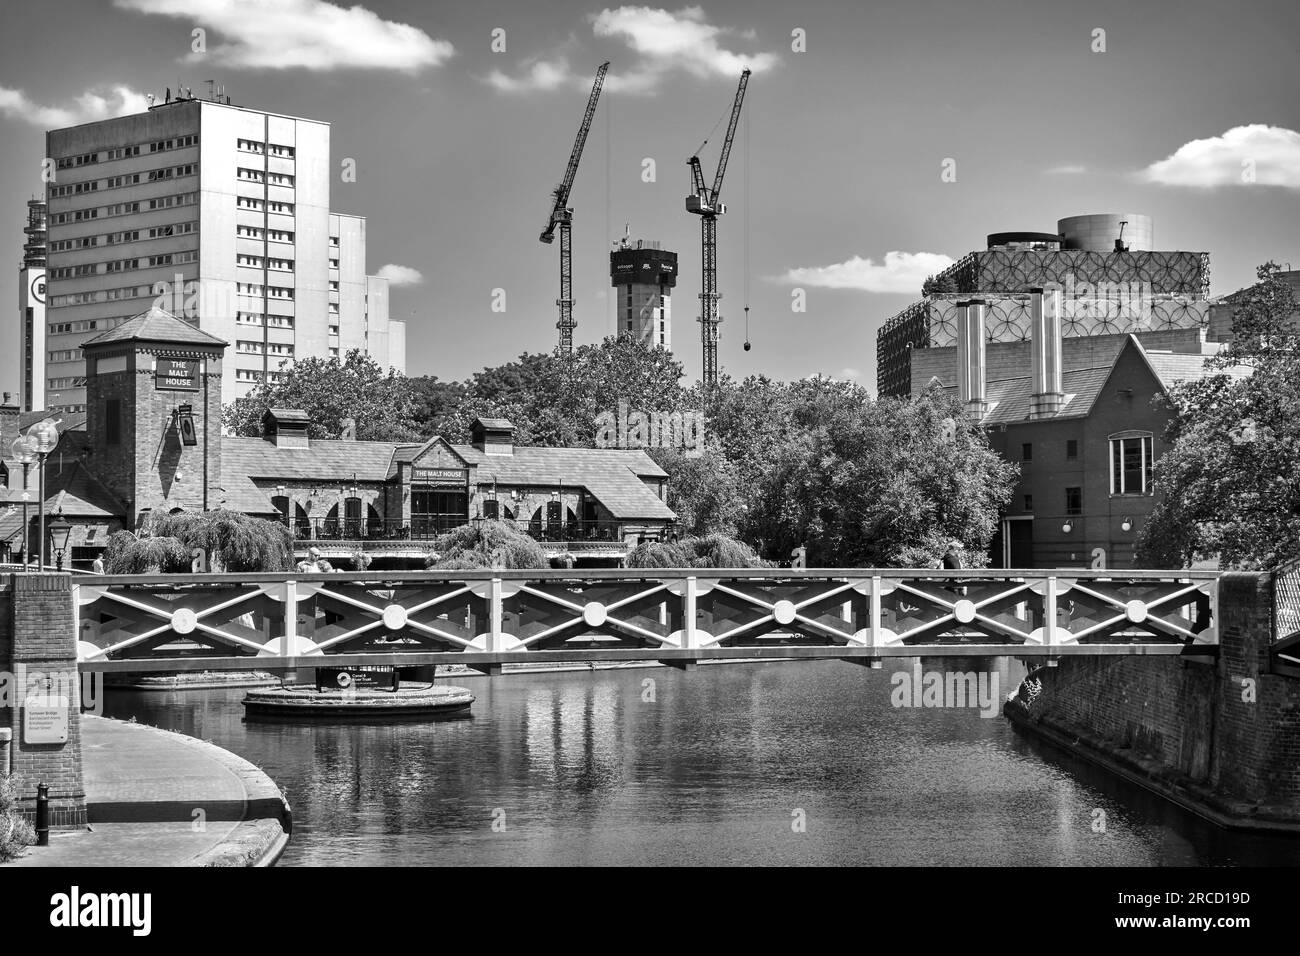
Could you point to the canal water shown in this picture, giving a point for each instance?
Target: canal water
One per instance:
(773, 763)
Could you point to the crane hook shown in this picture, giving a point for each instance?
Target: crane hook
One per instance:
(747, 345)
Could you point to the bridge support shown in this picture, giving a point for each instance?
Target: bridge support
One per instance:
(40, 694)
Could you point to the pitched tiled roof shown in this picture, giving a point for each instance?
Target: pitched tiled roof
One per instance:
(332, 461)
(1009, 399)
(156, 325)
(1174, 367)
(496, 424)
(613, 475)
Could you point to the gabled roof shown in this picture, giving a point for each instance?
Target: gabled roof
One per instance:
(1010, 399)
(156, 325)
(494, 424)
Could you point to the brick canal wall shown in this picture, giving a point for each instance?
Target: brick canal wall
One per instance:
(38, 665)
(1222, 738)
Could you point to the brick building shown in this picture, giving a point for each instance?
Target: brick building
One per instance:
(1079, 418)
(150, 442)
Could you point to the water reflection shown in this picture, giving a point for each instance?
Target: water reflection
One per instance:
(713, 766)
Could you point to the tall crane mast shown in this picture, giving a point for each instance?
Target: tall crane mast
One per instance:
(562, 216)
(704, 203)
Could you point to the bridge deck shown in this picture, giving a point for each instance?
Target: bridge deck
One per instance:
(485, 618)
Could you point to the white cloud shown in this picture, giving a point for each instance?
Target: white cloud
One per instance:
(1271, 152)
(682, 40)
(663, 42)
(86, 108)
(299, 34)
(544, 75)
(1068, 170)
(400, 275)
(900, 272)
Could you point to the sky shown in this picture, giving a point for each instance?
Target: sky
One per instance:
(460, 117)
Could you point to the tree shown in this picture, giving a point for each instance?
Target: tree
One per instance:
(233, 542)
(494, 544)
(128, 554)
(880, 484)
(381, 404)
(1229, 486)
(703, 490)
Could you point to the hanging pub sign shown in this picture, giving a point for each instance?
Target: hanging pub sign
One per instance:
(177, 375)
(185, 421)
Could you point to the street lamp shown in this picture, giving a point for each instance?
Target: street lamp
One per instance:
(1126, 524)
(1067, 527)
(43, 437)
(25, 454)
(60, 531)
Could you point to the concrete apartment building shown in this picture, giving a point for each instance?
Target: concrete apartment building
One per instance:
(216, 213)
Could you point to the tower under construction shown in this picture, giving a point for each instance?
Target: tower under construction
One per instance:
(644, 275)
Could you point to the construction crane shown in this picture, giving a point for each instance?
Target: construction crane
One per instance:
(562, 216)
(704, 203)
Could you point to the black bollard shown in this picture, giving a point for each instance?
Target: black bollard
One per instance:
(42, 815)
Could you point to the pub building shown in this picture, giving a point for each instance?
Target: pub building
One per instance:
(150, 442)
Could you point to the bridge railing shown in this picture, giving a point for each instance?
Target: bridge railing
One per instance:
(492, 616)
(1286, 604)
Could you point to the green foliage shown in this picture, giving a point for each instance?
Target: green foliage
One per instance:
(1229, 486)
(234, 542)
(707, 551)
(720, 551)
(496, 544)
(15, 832)
(382, 404)
(703, 490)
(153, 554)
(878, 484)
(657, 554)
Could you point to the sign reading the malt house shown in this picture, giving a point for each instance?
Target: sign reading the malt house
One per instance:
(177, 375)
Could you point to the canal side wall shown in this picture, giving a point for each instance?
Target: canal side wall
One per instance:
(38, 657)
(1221, 738)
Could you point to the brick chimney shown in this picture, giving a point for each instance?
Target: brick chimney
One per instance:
(1045, 321)
(970, 358)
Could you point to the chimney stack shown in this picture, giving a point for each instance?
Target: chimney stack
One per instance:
(1045, 321)
(970, 358)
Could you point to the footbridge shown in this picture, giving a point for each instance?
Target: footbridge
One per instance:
(484, 619)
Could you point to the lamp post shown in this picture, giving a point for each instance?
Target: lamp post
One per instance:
(60, 531)
(25, 454)
(43, 437)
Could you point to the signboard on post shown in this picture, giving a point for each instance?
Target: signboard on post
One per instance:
(177, 375)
